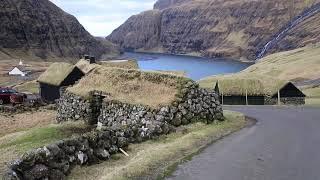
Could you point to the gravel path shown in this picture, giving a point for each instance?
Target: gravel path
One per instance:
(283, 145)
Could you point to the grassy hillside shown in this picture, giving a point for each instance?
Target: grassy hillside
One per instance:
(298, 65)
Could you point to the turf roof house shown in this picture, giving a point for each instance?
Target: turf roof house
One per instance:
(116, 97)
(255, 92)
(56, 76)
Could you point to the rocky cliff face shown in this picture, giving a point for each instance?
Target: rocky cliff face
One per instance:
(162, 4)
(216, 28)
(305, 33)
(39, 29)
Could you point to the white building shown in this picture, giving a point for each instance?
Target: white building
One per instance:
(17, 71)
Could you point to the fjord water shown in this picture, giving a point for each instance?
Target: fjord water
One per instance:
(195, 67)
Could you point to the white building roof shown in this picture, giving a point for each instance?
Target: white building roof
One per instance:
(17, 71)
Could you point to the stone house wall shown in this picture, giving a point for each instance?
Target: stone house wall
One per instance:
(285, 101)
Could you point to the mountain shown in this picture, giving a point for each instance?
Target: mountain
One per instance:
(238, 29)
(38, 29)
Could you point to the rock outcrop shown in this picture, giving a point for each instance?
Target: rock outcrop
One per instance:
(162, 4)
(41, 30)
(218, 28)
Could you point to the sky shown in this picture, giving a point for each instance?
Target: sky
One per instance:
(101, 17)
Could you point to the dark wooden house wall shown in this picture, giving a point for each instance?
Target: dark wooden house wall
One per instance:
(50, 93)
(241, 100)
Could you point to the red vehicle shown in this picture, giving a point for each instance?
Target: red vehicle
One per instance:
(11, 96)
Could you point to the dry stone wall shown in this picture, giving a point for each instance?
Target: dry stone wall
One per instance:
(285, 101)
(143, 122)
(72, 108)
(55, 161)
(118, 125)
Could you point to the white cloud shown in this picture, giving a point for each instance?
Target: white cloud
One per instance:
(101, 17)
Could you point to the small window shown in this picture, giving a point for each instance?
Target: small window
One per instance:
(12, 91)
(4, 91)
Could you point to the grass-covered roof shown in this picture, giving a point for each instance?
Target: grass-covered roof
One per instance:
(239, 87)
(85, 66)
(56, 73)
(131, 86)
(238, 84)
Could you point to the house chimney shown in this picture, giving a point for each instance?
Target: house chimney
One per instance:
(86, 57)
(92, 60)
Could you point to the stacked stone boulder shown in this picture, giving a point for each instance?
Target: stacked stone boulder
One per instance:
(118, 124)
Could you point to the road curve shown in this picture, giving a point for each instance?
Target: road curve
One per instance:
(283, 145)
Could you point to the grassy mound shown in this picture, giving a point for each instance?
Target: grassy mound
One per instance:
(125, 64)
(175, 73)
(131, 86)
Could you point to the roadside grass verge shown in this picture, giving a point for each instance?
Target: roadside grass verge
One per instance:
(156, 159)
(313, 102)
(15, 144)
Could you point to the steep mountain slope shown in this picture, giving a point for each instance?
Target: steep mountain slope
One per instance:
(301, 35)
(214, 28)
(39, 29)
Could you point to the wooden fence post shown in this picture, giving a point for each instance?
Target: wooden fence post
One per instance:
(222, 98)
(247, 103)
(279, 100)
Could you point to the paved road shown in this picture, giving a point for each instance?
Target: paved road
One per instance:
(283, 145)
